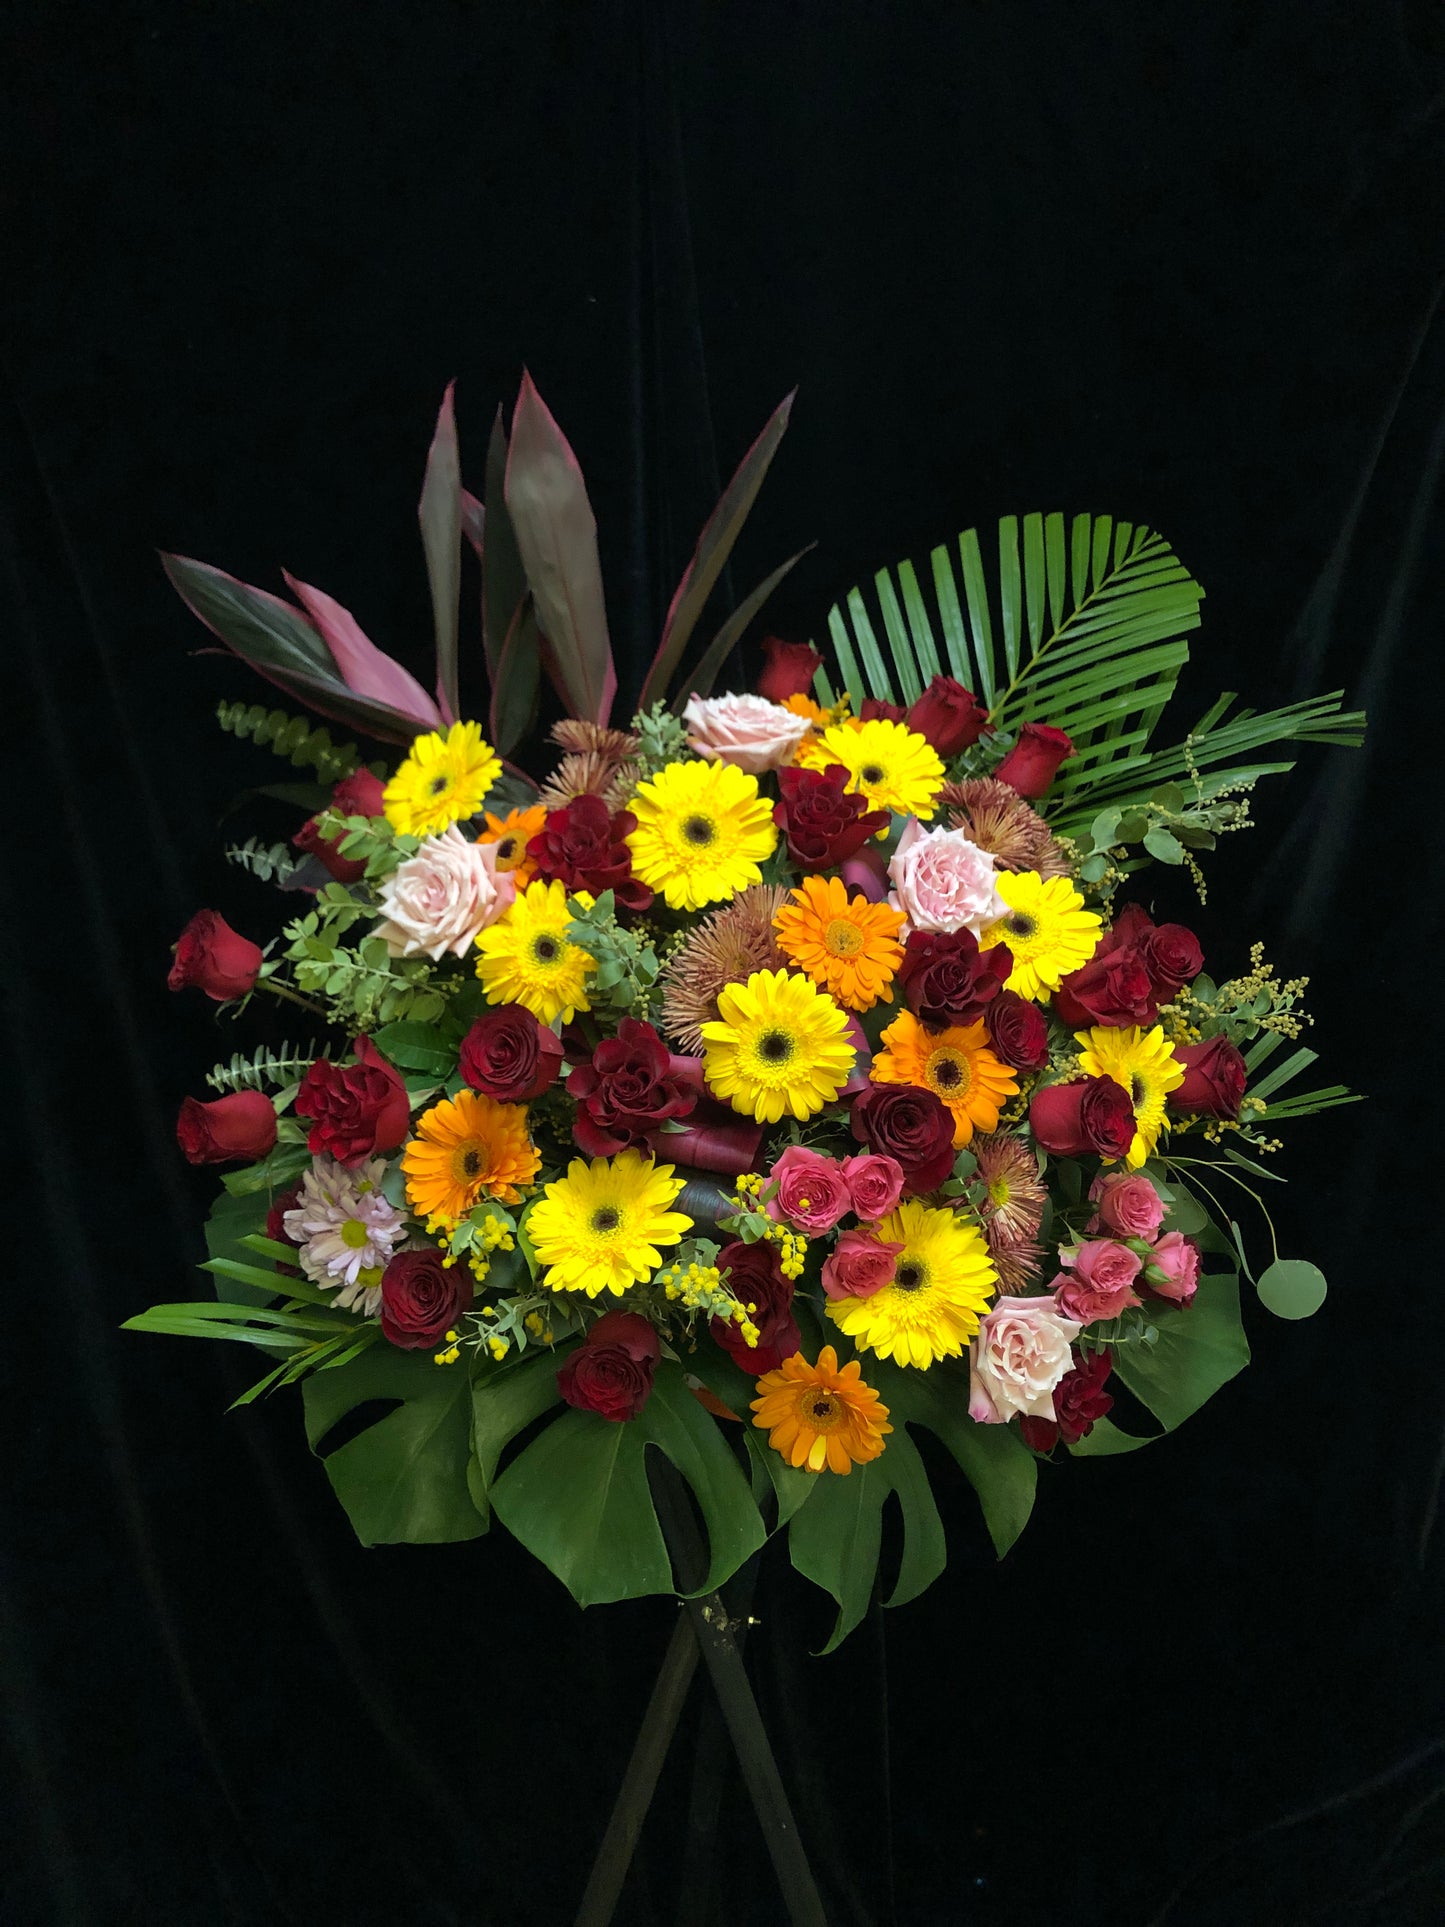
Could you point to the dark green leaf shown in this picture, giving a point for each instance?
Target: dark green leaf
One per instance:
(416, 1047)
(1198, 1350)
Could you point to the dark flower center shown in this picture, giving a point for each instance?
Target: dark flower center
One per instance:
(823, 1407)
(1137, 1090)
(607, 1219)
(871, 773)
(1020, 925)
(506, 848)
(775, 1047)
(909, 1276)
(699, 830)
(438, 784)
(545, 949)
(946, 1074)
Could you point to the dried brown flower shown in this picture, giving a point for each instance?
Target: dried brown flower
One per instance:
(726, 948)
(1012, 1207)
(995, 817)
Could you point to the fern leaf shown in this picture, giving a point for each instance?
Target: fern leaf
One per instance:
(308, 746)
(287, 1064)
(272, 863)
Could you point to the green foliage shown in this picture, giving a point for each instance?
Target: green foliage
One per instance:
(271, 863)
(662, 736)
(307, 746)
(1195, 1352)
(627, 964)
(287, 1064)
(1291, 1288)
(363, 984)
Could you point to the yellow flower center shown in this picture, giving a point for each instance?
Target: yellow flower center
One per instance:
(843, 939)
(820, 1410)
(949, 1074)
(998, 1192)
(353, 1234)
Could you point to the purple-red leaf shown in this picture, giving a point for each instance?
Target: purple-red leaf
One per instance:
(514, 687)
(504, 580)
(366, 670)
(474, 521)
(440, 514)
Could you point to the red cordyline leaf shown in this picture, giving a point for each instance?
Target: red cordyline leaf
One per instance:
(439, 513)
(365, 669)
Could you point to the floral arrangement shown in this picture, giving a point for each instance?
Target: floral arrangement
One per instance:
(761, 1081)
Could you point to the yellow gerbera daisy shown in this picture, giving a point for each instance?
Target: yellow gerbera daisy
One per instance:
(600, 1228)
(1048, 931)
(892, 765)
(779, 1047)
(1142, 1061)
(525, 957)
(942, 1281)
(443, 779)
(465, 1148)
(848, 945)
(702, 830)
(955, 1064)
(511, 834)
(822, 1414)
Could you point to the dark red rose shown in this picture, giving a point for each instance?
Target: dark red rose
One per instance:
(946, 979)
(625, 1091)
(584, 846)
(358, 1110)
(1094, 1115)
(611, 1371)
(1079, 1400)
(825, 823)
(756, 1278)
(508, 1055)
(1033, 762)
(1172, 957)
(422, 1298)
(359, 794)
(875, 710)
(1017, 1029)
(241, 1127)
(211, 956)
(950, 716)
(905, 1122)
(789, 669)
(1113, 988)
(714, 1137)
(1214, 1077)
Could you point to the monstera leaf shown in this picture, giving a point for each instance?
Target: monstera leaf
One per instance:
(1197, 1351)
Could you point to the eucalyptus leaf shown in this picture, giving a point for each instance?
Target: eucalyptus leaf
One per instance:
(1163, 844)
(1292, 1288)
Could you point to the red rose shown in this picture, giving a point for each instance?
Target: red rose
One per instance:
(1017, 1030)
(756, 1278)
(283, 1202)
(508, 1055)
(1072, 1119)
(211, 956)
(875, 710)
(625, 1091)
(824, 822)
(789, 670)
(1033, 762)
(611, 1371)
(585, 847)
(358, 1110)
(1079, 1399)
(240, 1127)
(422, 1298)
(946, 979)
(1214, 1077)
(950, 716)
(359, 794)
(1113, 988)
(1172, 956)
(911, 1125)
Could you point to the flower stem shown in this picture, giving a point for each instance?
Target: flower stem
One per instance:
(292, 997)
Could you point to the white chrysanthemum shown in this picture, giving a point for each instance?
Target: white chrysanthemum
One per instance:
(347, 1231)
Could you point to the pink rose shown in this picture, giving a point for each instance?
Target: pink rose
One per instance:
(1173, 1269)
(858, 1265)
(1128, 1204)
(941, 881)
(874, 1183)
(1101, 1284)
(1023, 1349)
(812, 1190)
(746, 730)
(439, 898)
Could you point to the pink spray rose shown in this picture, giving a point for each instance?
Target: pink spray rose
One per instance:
(1172, 1270)
(812, 1190)
(1128, 1204)
(858, 1265)
(1098, 1280)
(746, 730)
(1023, 1349)
(875, 1184)
(941, 881)
(439, 898)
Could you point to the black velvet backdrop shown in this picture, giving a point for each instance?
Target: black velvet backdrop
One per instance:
(1177, 264)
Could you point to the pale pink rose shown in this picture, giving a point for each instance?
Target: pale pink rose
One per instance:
(746, 730)
(1021, 1352)
(1128, 1204)
(858, 1265)
(941, 881)
(438, 899)
(812, 1192)
(1098, 1281)
(874, 1183)
(1173, 1268)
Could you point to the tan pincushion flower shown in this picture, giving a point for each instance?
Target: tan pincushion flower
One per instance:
(590, 773)
(727, 947)
(995, 817)
(1012, 1207)
(582, 738)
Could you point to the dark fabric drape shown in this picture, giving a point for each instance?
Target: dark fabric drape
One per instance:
(1178, 264)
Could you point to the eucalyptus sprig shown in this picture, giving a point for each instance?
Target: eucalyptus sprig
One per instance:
(627, 963)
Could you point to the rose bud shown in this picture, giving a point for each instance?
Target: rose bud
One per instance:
(1093, 1115)
(1033, 762)
(1172, 1270)
(211, 956)
(910, 1125)
(358, 1110)
(875, 1184)
(789, 669)
(626, 1091)
(875, 710)
(1099, 1281)
(1128, 1204)
(585, 847)
(755, 1278)
(824, 821)
(611, 1372)
(1214, 1078)
(240, 1127)
(1113, 988)
(1017, 1029)
(858, 1265)
(1172, 957)
(359, 794)
(1079, 1400)
(948, 715)
(509, 1055)
(812, 1192)
(946, 979)
(422, 1298)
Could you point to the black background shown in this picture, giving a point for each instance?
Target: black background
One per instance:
(1176, 264)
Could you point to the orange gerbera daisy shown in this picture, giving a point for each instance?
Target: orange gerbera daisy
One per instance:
(818, 1415)
(848, 945)
(805, 706)
(465, 1148)
(955, 1064)
(511, 834)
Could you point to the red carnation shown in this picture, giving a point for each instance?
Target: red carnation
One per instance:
(1079, 1399)
(211, 956)
(946, 979)
(241, 1127)
(611, 1371)
(626, 1091)
(909, 1124)
(948, 715)
(1017, 1030)
(585, 847)
(755, 1277)
(824, 821)
(1214, 1079)
(358, 1110)
(789, 670)
(509, 1055)
(1094, 1115)
(1034, 760)
(359, 794)
(422, 1298)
